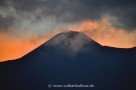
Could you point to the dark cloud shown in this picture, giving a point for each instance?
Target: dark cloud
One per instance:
(73, 10)
(5, 22)
(2, 2)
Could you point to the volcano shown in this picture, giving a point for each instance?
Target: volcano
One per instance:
(71, 58)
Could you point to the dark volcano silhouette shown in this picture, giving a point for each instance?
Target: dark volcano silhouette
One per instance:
(71, 58)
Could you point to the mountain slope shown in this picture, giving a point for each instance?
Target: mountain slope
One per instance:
(71, 58)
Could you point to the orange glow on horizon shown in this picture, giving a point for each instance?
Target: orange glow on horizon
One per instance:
(101, 31)
(12, 48)
(105, 34)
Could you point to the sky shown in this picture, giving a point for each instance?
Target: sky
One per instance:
(26, 24)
